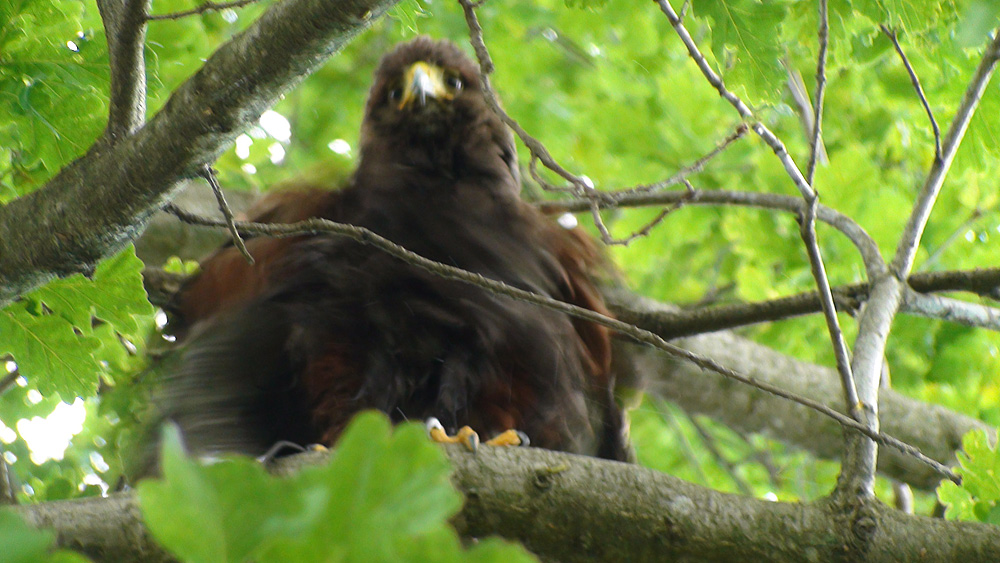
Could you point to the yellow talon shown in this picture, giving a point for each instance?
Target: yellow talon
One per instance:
(470, 439)
(509, 438)
(465, 435)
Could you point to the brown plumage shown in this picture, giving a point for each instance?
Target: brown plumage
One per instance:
(322, 327)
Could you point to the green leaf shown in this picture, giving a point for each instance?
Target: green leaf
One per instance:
(48, 351)
(50, 332)
(745, 43)
(25, 544)
(979, 19)
(407, 12)
(978, 497)
(384, 496)
(115, 294)
(22, 542)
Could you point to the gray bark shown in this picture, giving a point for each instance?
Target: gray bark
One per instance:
(573, 508)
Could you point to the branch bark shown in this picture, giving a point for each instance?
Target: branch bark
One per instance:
(102, 201)
(125, 28)
(599, 510)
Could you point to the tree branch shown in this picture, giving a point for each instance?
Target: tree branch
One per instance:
(99, 203)
(887, 290)
(866, 246)
(125, 28)
(816, 139)
(917, 87)
(365, 236)
(952, 310)
(692, 390)
(907, 248)
(573, 508)
(206, 7)
(807, 216)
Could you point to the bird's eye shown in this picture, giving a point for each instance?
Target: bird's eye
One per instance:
(395, 94)
(454, 82)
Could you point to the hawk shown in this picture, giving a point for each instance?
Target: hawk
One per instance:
(321, 327)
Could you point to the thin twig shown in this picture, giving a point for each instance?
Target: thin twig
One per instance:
(206, 7)
(580, 186)
(365, 236)
(680, 175)
(866, 246)
(808, 228)
(486, 68)
(648, 227)
(209, 174)
(891, 34)
(816, 142)
(840, 352)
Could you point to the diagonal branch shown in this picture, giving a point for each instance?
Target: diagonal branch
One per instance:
(365, 236)
(98, 204)
(907, 248)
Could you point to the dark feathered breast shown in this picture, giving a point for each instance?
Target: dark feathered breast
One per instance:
(322, 327)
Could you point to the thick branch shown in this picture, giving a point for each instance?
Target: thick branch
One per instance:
(573, 508)
(98, 204)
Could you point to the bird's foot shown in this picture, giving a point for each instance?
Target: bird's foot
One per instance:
(470, 439)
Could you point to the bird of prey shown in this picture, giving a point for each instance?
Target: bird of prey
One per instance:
(321, 327)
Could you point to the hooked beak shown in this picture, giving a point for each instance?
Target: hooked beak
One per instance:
(422, 81)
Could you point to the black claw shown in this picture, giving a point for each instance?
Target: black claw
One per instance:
(525, 441)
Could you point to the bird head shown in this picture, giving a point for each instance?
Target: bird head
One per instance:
(424, 89)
